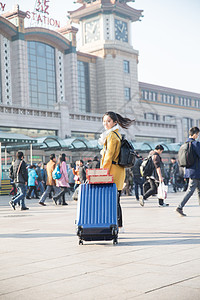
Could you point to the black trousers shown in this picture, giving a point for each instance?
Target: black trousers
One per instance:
(150, 188)
(62, 194)
(119, 210)
(35, 191)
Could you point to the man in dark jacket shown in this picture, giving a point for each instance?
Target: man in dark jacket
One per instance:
(137, 178)
(82, 172)
(156, 178)
(193, 173)
(20, 179)
(95, 163)
(174, 173)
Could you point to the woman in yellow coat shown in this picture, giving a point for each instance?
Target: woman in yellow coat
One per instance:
(111, 141)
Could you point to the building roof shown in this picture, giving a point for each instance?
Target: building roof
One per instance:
(11, 139)
(163, 89)
(105, 7)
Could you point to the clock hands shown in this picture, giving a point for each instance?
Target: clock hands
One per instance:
(121, 28)
(94, 28)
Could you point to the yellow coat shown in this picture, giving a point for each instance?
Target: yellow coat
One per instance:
(111, 149)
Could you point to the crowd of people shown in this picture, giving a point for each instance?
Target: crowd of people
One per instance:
(37, 180)
(173, 176)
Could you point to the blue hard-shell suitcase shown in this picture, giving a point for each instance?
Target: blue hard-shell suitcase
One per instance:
(97, 213)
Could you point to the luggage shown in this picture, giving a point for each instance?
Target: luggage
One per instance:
(97, 213)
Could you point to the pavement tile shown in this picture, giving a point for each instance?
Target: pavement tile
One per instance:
(174, 292)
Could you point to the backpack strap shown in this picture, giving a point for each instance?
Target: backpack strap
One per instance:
(117, 135)
(114, 162)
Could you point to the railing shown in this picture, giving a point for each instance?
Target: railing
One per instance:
(13, 110)
(155, 124)
(95, 117)
(74, 116)
(85, 117)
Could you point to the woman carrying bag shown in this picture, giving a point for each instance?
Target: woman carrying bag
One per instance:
(110, 153)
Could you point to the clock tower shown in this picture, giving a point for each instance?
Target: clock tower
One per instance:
(106, 31)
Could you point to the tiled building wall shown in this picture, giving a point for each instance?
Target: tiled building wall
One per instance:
(19, 70)
(70, 80)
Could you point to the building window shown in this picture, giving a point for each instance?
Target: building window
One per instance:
(151, 117)
(126, 66)
(31, 132)
(83, 86)
(169, 119)
(149, 95)
(166, 98)
(86, 135)
(197, 103)
(127, 93)
(185, 101)
(42, 75)
(198, 123)
(142, 139)
(187, 124)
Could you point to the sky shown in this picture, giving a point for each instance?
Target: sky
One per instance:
(167, 39)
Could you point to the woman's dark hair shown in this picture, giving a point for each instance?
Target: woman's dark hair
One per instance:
(123, 122)
(159, 147)
(61, 158)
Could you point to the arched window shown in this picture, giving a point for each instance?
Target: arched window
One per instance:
(42, 75)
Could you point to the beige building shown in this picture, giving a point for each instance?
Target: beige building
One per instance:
(50, 87)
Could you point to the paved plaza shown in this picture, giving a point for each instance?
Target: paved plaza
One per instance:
(158, 256)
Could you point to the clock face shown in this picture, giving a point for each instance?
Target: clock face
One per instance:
(121, 31)
(92, 31)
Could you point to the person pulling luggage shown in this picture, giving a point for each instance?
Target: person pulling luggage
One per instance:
(110, 152)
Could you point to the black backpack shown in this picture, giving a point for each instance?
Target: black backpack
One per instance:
(127, 154)
(186, 157)
(147, 167)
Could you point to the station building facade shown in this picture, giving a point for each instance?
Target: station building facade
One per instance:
(49, 87)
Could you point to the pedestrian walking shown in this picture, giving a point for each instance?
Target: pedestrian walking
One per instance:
(174, 173)
(50, 183)
(79, 173)
(11, 175)
(63, 182)
(95, 164)
(39, 182)
(32, 176)
(193, 172)
(20, 179)
(137, 178)
(110, 152)
(152, 182)
(71, 178)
